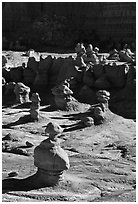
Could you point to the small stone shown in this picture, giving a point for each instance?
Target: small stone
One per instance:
(53, 129)
(88, 121)
(11, 137)
(12, 174)
(29, 144)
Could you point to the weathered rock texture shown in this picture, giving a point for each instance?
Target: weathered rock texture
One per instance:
(35, 106)
(62, 95)
(22, 93)
(50, 158)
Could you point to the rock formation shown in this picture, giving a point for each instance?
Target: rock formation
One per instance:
(50, 158)
(9, 87)
(62, 95)
(103, 96)
(98, 115)
(87, 121)
(22, 93)
(100, 111)
(91, 55)
(35, 106)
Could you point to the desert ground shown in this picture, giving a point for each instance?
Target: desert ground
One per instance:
(102, 158)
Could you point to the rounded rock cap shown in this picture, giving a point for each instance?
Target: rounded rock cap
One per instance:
(53, 129)
(35, 97)
(65, 89)
(90, 48)
(80, 48)
(103, 92)
(96, 49)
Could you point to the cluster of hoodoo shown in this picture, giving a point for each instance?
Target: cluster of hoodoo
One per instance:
(97, 112)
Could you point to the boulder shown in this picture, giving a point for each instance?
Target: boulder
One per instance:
(87, 121)
(53, 130)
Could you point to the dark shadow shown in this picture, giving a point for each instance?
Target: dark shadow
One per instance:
(16, 105)
(75, 127)
(18, 151)
(49, 109)
(26, 184)
(8, 105)
(78, 116)
(22, 120)
(59, 118)
(23, 105)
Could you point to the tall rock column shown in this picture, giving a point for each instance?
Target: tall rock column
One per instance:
(35, 106)
(100, 110)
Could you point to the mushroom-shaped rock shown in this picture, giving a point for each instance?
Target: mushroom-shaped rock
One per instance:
(103, 96)
(103, 92)
(50, 158)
